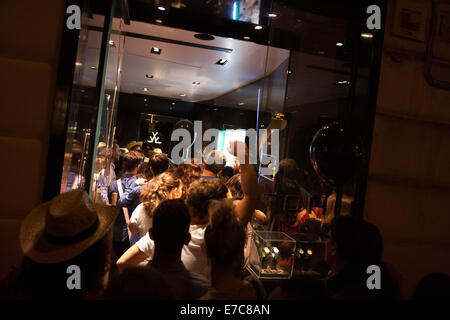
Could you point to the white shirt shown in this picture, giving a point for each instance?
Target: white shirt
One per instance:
(193, 255)
(141, 220)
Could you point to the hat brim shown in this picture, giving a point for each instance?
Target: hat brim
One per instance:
(36, 247)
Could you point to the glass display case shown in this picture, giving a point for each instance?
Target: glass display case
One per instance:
(272, 255)
(309, 253)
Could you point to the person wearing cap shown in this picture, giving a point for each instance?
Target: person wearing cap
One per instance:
(134, 146)
(66, 244)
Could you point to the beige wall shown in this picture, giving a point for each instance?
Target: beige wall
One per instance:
(30, 40)
(409, 176)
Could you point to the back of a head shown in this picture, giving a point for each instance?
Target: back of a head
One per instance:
(159, 163)
(215, 161)
(201, 192)
(171, 222)
(435, 286)
(235, 187)
(359, 242)
(224, 235)
(138, 283)
(188, 173)
(158, 189)
(131, 160)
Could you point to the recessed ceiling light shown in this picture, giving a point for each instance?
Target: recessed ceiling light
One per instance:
(155, 50)
(173, 103)
(271, 15)
(241, 103)
(78, 64)
(150, 76)
(145, 100)
(339, 44)
(246, 38)
(196, 83)
(158, 21)
(182, 94)
(93, 67)
(145, 89)
(222, 62)
(111, 43)
(161, 8)
(258, 27)
(367, 35)
(343, 82)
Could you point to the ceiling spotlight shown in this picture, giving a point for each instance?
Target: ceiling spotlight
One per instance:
(93, 67)
(222, 62)
(343, 82)
(339, 44)
(145, 89)
(161, 8)
(241, 103)
(309, 252)
(145, 100)
(367, 35)
(258, 27)
(150, 76)
(78, 64)
(155, 50)
(271, 15)
(173, 103)
(158, 21)
(196, 83)
(182, 94)
(246, 38)
(111, 43)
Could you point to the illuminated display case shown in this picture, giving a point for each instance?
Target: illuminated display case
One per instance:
(272, 255)
(309, 253)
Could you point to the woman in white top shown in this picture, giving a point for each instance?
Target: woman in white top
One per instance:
(165, 186)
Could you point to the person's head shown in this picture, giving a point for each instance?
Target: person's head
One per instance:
(115, 153)
(158, 163)
(131, 161)
(353, 243)
(225, 237)
(215, 161)
(434, 286)
(69, 230)
(139, 283)
(188, 173)
(200, 194)
(286, 179)
(226, 174)
(235, 187)
(164, 186)
(170, 228)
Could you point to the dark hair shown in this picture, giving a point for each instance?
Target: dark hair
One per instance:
(235, 187)
(434, 286)
(171, 222)
(201, 192)
(218, 163)
(287, 178)
(137, 283)
(224, 235)
(358, 242)
(188, 173)
(227, 172)
(159, 163)
(49, 281)
(131, 160)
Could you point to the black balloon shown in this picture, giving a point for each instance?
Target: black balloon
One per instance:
(335, 153)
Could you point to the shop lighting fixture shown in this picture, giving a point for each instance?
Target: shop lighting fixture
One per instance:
(339, 44)
(246, 38)
(111, 43)
(222, 62)
(309, 252)
(161, 8)
(258, 27)
(343, 82)
(93, 67)
(145, 89)
(367, 35)
(158, 21)
(182, 94)
(78, 64)
(271, 15)
(155, 50)
(241, 103)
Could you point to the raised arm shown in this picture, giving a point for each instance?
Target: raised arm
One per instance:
(247, 205)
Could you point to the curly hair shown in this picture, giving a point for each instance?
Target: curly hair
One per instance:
(188, 173)
(157, 190)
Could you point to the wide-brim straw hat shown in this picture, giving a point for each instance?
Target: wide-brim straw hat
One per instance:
(133, 144)
(64, 227)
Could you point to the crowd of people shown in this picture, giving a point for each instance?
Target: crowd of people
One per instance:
(185, 232)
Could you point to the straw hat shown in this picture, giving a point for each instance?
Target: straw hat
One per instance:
(133, 144)
(63, 228)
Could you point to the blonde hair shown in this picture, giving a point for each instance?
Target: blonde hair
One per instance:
(158, 189)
